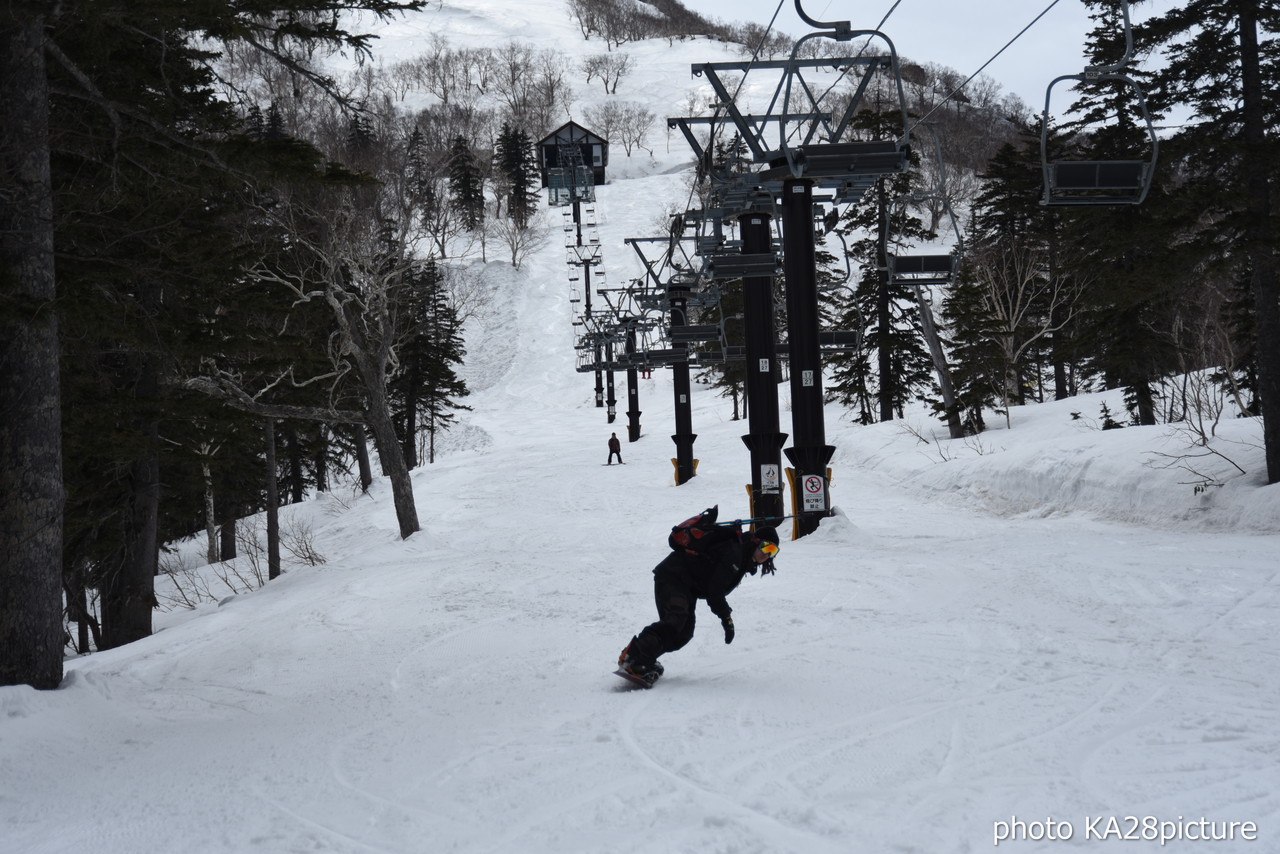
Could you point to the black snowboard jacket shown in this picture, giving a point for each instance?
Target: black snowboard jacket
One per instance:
(710, 574)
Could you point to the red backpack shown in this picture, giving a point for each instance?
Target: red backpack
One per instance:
(697, 533)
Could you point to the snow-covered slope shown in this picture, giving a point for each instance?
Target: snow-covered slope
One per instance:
(1033, 626)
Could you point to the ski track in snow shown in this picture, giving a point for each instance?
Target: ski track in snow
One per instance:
(1040, 626)
(913, 673)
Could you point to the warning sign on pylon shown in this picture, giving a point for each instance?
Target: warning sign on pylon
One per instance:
(812, 493)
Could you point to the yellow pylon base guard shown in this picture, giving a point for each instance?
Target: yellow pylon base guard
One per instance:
(795, 499)
(675, 464)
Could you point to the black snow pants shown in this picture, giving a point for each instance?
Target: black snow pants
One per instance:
(676, 619)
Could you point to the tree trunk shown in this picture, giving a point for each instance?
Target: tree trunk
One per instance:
(1010, 387)
(128, 588)
(412, 400)
(227, 531)
(210, 517)
(1144, 402)
(31, 491)
(297, 488)
(884, 317)
(431, 438)
(85, 623)
(77, 593)
(393, 466)
(273, 503)
(1061, 382)
(954, 426)
(322, 459)
(1262, 258)
(128, 596)
(362, 456)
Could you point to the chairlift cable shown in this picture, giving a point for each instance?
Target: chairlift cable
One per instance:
(887, 14)
(995, 56)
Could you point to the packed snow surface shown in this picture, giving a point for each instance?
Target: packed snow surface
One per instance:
(1045, 630)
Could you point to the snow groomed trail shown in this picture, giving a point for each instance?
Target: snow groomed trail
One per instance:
(1032, 630)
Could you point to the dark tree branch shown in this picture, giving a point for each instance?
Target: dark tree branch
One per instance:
(227, 391)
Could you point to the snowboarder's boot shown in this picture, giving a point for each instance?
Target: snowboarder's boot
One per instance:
(622, 656)
(649, 671)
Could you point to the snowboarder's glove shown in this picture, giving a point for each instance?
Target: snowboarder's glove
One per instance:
(727, 622)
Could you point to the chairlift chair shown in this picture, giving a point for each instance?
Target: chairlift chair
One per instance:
(924, 270)
(1101, 182)
(937, 269)
(832, 161)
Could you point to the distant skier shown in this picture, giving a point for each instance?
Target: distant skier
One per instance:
(615, 447)
(722, 558)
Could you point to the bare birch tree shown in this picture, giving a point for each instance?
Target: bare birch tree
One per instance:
(356, 256)
(1025, 303)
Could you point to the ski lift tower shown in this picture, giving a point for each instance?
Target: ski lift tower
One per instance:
(676, 288)
(756, 264)
(571, 182)
(811, 151)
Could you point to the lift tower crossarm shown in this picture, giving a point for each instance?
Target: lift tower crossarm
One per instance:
(684, 122)
(750, 126)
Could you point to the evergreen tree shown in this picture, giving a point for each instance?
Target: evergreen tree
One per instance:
(274, 129)
(893, 365)
(504, 161)
(31, 464)
(1221, 58)
(362, 138)
(134, 140)
(516, 173)
(466, 185)
(426, 386)
(1130, 272)
(1007, 220)
(156, 231)
(853, 379)
(523, 174)
(418, 171)
(427, 192)
(976, 364)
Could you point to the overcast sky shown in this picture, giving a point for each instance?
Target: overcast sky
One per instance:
(956, 34)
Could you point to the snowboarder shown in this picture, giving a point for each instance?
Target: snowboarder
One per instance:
(685, 576)
(615, 447)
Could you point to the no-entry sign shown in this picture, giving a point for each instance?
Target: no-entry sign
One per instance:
(812, 488)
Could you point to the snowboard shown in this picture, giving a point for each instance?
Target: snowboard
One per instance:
(634, 680)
